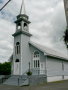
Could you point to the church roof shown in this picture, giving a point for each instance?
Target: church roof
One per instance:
(49, 52)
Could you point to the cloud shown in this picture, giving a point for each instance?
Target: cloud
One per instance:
(6, 39)
(47, 24)
(51, 26)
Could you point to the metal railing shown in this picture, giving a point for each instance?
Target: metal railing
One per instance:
(38, 72)
(3, 78)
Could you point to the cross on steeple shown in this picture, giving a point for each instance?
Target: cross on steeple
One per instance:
(22, 10)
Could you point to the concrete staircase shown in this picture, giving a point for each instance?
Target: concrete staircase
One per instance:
(24, 80)
(17, 80)
(21, 80)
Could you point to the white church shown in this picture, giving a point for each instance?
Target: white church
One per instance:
(43, 60)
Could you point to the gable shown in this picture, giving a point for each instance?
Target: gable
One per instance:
(33, 49)
(48, 51)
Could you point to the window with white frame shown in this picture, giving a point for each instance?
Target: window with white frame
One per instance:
(36, 59)
(17, 48)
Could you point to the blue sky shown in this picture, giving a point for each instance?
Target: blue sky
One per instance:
(48, 24)
(1, 1)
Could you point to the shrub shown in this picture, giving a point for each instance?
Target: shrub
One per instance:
(29, 73)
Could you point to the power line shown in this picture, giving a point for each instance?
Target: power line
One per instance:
(5, 5)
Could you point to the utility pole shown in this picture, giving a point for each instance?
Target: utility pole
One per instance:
(66, 31)
(5, 5)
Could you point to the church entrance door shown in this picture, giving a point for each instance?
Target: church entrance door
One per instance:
(16, 71)
(42, 68)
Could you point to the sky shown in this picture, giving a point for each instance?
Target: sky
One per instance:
(48, 23)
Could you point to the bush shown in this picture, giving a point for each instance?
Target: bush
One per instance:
(29, 73)
(5, 68)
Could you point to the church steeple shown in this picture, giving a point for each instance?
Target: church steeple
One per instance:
(21, 53)
(22, 22)
(22, 9)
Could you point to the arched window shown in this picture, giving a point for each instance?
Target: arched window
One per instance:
(17, 48)
(19, 25)
(36, 54)
(17, 60)
(25, 26)
(36, 59)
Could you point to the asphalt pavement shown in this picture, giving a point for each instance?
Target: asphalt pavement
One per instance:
(62, 85)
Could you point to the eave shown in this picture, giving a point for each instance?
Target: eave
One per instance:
(21, 32)
(22, 19)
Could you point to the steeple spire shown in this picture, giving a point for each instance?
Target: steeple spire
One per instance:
(22, 21)
(22, 10)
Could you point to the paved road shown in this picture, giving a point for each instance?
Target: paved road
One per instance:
(50, 86)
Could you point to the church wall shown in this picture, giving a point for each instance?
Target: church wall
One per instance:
(25, 53)
(16, 39)
(54, 78)
(57, 69)
(65, 66)
(54, 66)
(12, 68)
(42, 57)
(54, 69)
(65, 70)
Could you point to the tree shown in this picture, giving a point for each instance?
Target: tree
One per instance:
(66, 38)
(5, 68)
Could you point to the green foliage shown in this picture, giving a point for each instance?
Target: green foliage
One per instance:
(5, 68)
(66, 38)
(29, 73)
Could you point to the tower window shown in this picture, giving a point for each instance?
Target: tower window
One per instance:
(17, 43)
(17, 60)
(17, 49)
(25, 24)
(19, 25)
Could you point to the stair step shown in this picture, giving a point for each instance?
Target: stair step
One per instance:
(16, 80)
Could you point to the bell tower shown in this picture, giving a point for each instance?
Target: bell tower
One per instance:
(22, 24)
(21, 54)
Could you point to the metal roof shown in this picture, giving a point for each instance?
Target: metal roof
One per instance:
(49, 52)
